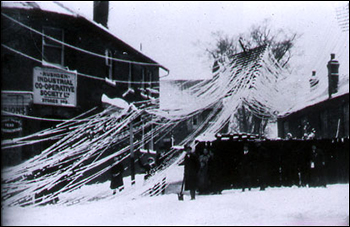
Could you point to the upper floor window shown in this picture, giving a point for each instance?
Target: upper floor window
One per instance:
(143, 78)
(52, 51)
(131, 76)
(131, 79)
(149, 78)
(109, 63)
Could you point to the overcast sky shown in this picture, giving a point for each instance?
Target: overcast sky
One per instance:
(168, 31)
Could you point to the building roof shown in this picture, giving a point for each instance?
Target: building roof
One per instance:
(318, 96)
(174, 93)
(59, 8)
(48, 6)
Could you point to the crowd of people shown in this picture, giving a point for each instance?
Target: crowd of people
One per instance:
(212, 167)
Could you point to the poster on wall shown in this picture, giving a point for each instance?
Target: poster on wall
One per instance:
(14, 102)
(54, 87)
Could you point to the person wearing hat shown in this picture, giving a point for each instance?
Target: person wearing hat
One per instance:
(191, 171)
(117, 175)
(246, 167)
(317, 167)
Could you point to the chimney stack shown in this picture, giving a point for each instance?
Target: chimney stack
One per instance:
(101, 9)
(333, 75)
(313, 81)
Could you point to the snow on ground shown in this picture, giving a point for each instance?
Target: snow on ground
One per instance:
(275, 206)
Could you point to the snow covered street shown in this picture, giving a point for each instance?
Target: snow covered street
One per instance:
(275, 206)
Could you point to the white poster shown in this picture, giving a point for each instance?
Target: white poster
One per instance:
(54, 87)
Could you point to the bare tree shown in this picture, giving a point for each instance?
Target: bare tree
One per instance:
(223, 44)
(281, 43)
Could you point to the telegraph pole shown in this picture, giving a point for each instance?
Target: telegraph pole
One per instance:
(132, 156)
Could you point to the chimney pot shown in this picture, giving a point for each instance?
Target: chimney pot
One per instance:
(333, 75)
(313, 81)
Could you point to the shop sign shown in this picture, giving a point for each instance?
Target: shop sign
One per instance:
(54, 87)
(11, 125)
(14, 102)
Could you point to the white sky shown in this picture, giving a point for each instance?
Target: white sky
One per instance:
(168, 30)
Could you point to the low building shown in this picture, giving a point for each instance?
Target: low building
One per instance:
(324, 116)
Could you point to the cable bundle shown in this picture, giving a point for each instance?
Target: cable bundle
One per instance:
(87, 147)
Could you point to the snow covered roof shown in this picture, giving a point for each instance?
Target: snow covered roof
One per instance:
(174, 93)
(50, 6)
(296, 93)
(318, 96)
(206, 138)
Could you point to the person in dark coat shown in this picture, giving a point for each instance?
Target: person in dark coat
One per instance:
(302, 165)
(216, 166)
(246, 168)
(191, 171)
(317, 167)
(117, 176)
(203, 173)
(263, 166)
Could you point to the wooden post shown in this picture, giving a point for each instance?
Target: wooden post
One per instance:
(151, 143)
(132, 158)
(143, 133)
(338, 127)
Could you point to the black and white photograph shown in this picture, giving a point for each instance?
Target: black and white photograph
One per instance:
(175, 113)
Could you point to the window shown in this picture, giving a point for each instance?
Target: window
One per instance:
(143, 79)
(130, 76)
(53, 52)
(109, 64)
(195, 120)
(149, 79)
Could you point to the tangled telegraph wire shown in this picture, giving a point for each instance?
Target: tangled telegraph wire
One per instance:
(87, 146)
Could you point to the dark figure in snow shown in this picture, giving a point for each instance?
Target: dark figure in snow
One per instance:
(246, 168)
(117, 176)
(203, 173)
(191, 171)
(263, 166)
(289, 164)
(317, 168)
(302, 166)
(147, 166)
(216, 172)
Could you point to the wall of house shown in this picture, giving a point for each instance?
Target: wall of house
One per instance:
(17, 71)
(329, 119)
